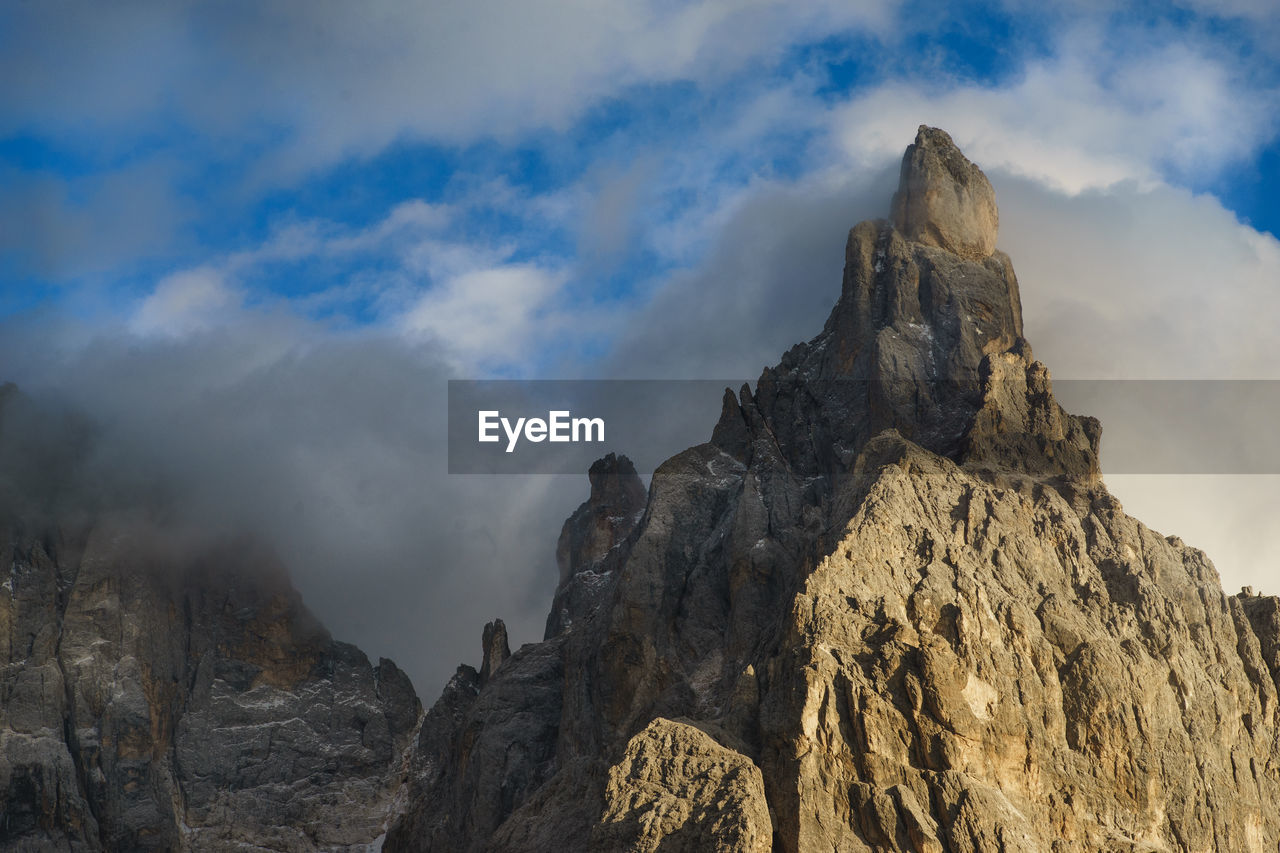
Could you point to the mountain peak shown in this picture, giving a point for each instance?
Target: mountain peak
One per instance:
(943, 199)
(890, 606)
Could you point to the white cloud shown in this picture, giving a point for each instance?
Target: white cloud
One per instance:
(466, 298)
(1151, 283)
(336, 79)
(487, 318)
(456, 71)
(1229, 517)
(185, 302)
(69, 227)
(407, 223)
(1259, 11)
(305, 85)
(1086, 118)
(329, 445)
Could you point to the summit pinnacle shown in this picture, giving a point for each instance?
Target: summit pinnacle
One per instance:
(943, 199)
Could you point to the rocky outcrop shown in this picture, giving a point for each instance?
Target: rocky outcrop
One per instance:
(167, 692)
(606, 518)
(677, 790)
(496, 650)
(894, 585)
(590, 539)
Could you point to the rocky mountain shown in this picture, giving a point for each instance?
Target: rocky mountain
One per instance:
(890, 605)
(162, 690)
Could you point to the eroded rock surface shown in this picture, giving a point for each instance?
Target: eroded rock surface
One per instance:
(894, 585)
(678, 790)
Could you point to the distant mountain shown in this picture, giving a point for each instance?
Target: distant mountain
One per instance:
(889, 606)
(164, 690)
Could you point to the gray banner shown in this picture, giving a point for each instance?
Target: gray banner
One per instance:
(562, 426)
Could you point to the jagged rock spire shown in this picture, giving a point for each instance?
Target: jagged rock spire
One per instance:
(943, 199)
(607, 516)
(927, 301)
(496, 650)
(590, 538)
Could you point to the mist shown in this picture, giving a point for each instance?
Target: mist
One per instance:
(328, 447)
(329, 443)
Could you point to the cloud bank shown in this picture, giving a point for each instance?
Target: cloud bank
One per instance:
(273, 233)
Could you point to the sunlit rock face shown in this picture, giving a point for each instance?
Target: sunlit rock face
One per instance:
(890, 605)
(944, 200)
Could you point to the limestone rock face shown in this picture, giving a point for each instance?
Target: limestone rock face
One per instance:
(894, 584)
(163, 694)
(1060, 678)
(677, 790)
(944, 200)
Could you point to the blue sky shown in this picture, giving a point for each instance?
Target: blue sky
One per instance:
(590, 143)
(252, 240)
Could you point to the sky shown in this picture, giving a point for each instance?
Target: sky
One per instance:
(254, 241)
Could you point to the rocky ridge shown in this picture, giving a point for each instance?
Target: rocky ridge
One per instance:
(890, 605)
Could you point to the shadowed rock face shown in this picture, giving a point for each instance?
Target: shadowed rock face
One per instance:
(159, 692)
(608, 515)
(591, 539)
(894, 585)
(496, 650)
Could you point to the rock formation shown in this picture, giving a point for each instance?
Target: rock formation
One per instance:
(604, 520)
(890, 605)
(162, 692)
(944, 200)
(590, 539)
